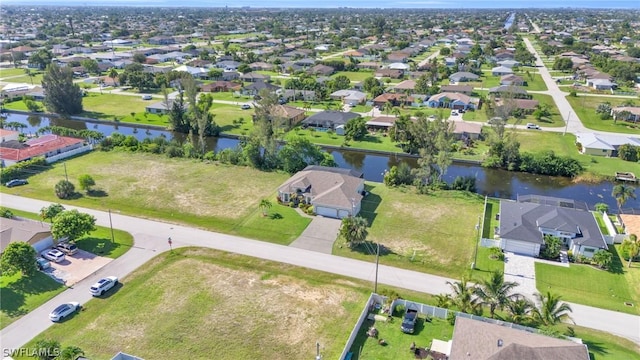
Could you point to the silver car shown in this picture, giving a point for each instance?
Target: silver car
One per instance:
(54, 255)
(63, 311)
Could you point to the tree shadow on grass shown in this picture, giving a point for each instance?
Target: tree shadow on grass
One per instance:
(98, 246)
(275, 216)
(371, 248)
(616, 266)
(370, 204)
(12, 302)
(35, 284)
(97, 193)
(596, 349)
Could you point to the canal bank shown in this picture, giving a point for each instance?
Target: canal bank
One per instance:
(492, 182)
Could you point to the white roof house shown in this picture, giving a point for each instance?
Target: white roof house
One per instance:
(603, 145)
(399, 66)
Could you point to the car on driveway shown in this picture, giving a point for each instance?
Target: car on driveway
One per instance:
(103, 285)
(63, 311)
(454, 112)
(245, 107)
(533, 126)
(42, 264)
(54, 255)
(67, 248)
(16, 182)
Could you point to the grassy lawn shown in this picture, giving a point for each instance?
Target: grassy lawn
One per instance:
(211, 196)
(356, 76)
(98, 241)
(108, 106)
(230, 96)
(365, 347)
(419, 232)
(20, 105)
(585, 107)
(4, 72)
(36, 79)
(232, 119)
(23, 294)
(555, 120)
(361, 108)
(282, 309)
(375, 141)
(585, 284)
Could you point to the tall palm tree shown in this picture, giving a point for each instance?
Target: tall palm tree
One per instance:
(622, 193)
(520, 310)
(29, 74)
(552, 310)
(495, 292)
(265, 205)
(388, 106)
(464, 297)
(354, 230)
(632, 244)
(113, 74)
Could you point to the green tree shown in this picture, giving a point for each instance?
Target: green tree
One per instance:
(41, 58)
(631, 246)
(30, 74)
(355, 129)
(63, 96)
(602, 207)
(91, 66)
(72, 224)
(551, 309)
(265, 205)
(64, 189)
(520, 310)
(139, 58)
(552, 248)
(244, 68)
(47, 349)
(113, 74)
(628, 152)
(49, 212)
(86, 182)
(354, 230)
(18, 256)
(340, 82)
(622, 193)
(563, 64)
(464, 297)
(70, 353)
(495, 292)
(602, 258)
(6, 213)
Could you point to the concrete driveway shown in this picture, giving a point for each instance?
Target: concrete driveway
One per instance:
(521, 269)
(76, 267)
(319, 235)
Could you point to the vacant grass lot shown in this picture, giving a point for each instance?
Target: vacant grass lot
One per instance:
(227, 307)
(23, 294)
(585, 284)
(107, 106)
(211, 196)
(555, 120)
(4, 72)
(355, 76)
(376, 141)
(430, 233)
(585, 107)
(36, 79)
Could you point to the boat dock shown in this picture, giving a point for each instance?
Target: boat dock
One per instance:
(626, 176)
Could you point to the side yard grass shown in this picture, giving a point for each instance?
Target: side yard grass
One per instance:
(585, 284)
(21, 295)
(585, 107)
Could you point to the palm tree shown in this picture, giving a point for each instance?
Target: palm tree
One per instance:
(265, 205)
(520, 310)
(113, 74)
(622, 193)
(29, 74)
(632, 244)
(354, 230)
(464, 296)
(388, 106)
(552, 310)
(444, 301)
(70, 353)
(495, 292)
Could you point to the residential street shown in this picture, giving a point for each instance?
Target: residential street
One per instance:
(151, 239)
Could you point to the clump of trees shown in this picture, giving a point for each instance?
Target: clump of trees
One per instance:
(64, 189)
(18, 256)
(63, 96)
(72, 225)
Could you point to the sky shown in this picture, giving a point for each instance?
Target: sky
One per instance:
(464, 4)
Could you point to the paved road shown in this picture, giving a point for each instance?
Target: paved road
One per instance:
(151, 239)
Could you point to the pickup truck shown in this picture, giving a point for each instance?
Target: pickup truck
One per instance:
(409, 321)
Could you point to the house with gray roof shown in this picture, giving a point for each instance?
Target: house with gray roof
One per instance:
(35, 233)
(479, 340)
(329, 119)
(603, 144)
(463, 76)
(524, 223)
(333, 192)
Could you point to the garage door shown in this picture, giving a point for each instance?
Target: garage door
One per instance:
(43, 244)
(325, 211)
(521, 247)
(343, 213)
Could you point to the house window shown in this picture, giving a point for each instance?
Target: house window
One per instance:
(285, 197)
(589, 250)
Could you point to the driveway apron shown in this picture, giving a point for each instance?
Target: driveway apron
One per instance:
(319, 235)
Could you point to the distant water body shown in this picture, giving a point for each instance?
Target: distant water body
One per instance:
(423, 4)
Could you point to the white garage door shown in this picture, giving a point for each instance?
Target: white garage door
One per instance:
(325, 211)
(343, 213)
(521, 247)
(43, 244)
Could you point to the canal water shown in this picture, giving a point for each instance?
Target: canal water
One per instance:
(492, 182)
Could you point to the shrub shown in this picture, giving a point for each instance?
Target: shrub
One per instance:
(399, 310)
(23, 168)
(602, 207)
(64, 189)
(496, 253)
(6, 213)
(552, 247)
(464, 183)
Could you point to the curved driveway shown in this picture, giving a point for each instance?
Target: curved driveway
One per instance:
(151, 239)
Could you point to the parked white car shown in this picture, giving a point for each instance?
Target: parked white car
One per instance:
(63, 311)
(533, 126)
(54, 255)
(103, 285)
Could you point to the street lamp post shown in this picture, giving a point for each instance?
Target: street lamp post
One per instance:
(111, 226)
(477, 239)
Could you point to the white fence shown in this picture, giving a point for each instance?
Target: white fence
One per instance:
(609, 224)
(66, 154)
(371, 304)
(484, 242)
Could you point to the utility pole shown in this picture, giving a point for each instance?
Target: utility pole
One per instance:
(111, 226)
(318, 356)
(566, 125)
(65, 171)
(475, 255)
(375, 284)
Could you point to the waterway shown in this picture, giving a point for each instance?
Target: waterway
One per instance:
(510, 20)
(492, 182)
